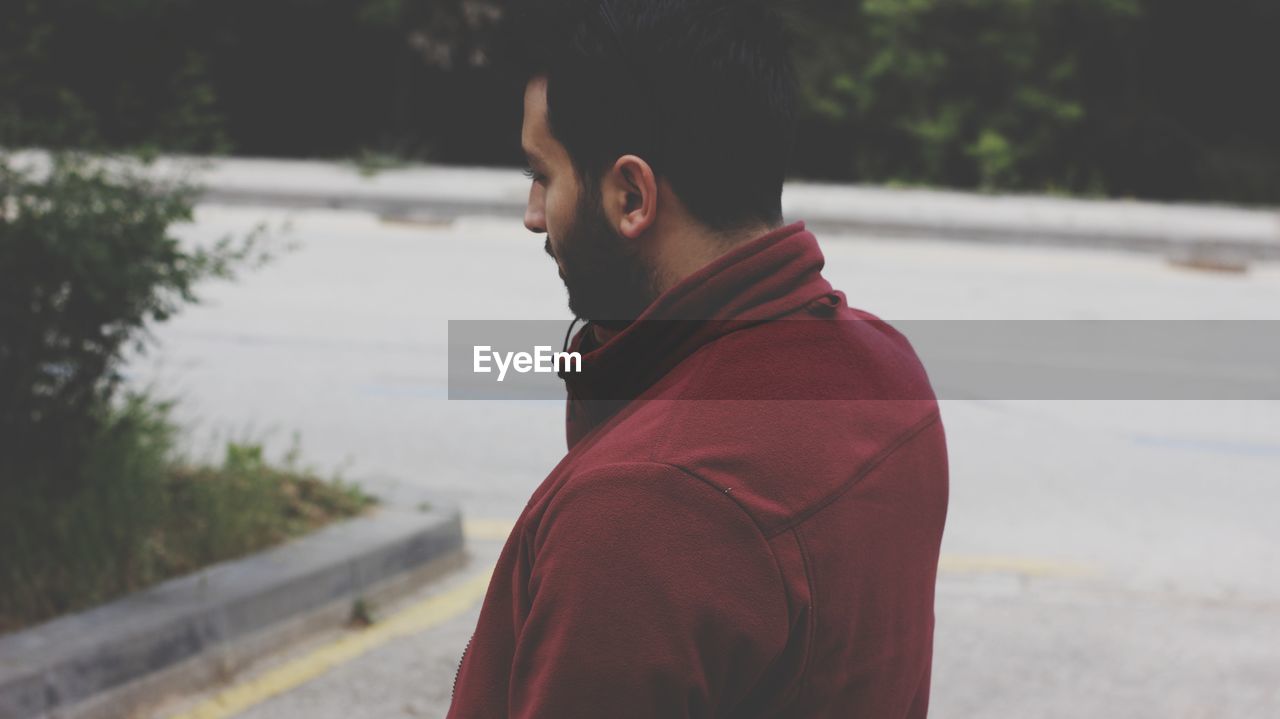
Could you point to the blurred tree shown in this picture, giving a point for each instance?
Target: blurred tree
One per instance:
(105, 73)
(445, 34)
(1150, 98)
(448, 104)
(1180, 102)
(970, 93)
(1164, 99)
(87, 260)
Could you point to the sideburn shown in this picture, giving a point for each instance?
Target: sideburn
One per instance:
(608, 281)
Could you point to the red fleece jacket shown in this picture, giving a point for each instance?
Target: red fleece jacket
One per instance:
(747, 521)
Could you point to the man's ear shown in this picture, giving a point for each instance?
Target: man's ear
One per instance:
(631, 196)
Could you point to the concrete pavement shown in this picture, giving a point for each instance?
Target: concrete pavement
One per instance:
(1167, 505)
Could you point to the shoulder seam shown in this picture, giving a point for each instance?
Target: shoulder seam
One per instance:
(726, 491)
(867, 468)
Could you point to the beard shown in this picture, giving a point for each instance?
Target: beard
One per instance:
(608, 282)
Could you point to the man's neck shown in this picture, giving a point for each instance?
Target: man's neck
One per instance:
(679, 254)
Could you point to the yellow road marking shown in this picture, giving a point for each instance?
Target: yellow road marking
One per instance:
(443, 607)
(491, 529)
(413, 620)
(498, 529)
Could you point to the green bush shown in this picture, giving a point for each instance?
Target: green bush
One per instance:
(95, 498)
(87, 260)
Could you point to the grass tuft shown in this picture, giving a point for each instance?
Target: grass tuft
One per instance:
(143, 515)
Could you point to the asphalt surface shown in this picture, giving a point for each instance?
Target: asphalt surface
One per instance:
(1102, 558)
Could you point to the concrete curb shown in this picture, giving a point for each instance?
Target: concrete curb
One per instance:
(1184, 232)
(105, 661)
(1187, 234)
(1216, 234)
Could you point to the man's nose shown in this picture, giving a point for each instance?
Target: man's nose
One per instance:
(535, 217)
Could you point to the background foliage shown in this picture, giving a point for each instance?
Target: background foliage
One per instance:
(1165, 99)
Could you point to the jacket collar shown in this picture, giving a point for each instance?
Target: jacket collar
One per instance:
(761, 280)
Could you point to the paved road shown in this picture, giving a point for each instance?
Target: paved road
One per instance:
(1102, 558)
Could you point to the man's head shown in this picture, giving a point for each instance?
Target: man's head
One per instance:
(648, 121)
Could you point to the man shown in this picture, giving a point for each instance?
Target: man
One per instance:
(748, 519)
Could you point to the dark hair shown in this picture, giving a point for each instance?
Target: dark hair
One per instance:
(716, 116)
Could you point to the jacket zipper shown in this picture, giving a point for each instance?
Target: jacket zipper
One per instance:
(454, 692)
